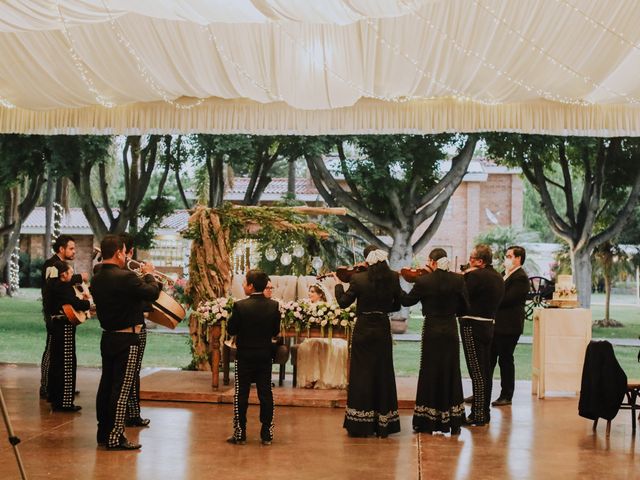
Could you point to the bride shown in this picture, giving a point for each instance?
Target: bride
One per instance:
(321, 363)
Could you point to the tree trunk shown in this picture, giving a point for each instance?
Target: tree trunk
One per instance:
(49, 197)
(607, 297)
(291, 180)
(401, 255)
(581, 265)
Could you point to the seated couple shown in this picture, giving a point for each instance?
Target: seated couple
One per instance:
(322, 363)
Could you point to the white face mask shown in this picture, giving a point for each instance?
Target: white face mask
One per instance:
(508, 263)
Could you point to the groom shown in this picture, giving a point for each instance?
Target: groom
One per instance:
(255, 321)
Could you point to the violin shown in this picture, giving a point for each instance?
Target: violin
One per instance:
(412, 274)
(344, 273)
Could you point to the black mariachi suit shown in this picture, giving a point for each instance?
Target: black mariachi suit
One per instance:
(63, 363)
(49, 270)
(120, 296)
(508, 328)
(372, 399)
(255, 321)
(439, 399)
(486, 289)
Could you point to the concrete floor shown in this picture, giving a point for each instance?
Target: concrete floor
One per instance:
(537, 439)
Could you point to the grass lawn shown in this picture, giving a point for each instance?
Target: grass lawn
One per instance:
(22, 337)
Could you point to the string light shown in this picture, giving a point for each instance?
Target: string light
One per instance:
(144, 71)
(554, 61)
(327, 68)
(600, 25)
(14, 268)
(6, 103)
(57, 221)
(485, 62)
(457, 94)
(79, 63)
(222, 52)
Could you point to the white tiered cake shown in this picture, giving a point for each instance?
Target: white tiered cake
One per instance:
(565, 294)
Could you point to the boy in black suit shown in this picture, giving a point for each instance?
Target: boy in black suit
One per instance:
(509, 322)
(255, 321)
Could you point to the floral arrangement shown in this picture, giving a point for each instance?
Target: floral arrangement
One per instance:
(210, 312)
(177, 290)
(566, 291)
(302, 316)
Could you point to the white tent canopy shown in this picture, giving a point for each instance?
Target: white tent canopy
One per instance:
(317, 67)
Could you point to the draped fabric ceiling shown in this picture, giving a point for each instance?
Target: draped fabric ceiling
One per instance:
(318, 67)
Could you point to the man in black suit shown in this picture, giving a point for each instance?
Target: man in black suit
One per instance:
(255, 321)
(486, 288)
(65, 251)
(509, 322)
(120, 297)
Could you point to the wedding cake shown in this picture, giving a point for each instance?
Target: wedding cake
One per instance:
(565, 294)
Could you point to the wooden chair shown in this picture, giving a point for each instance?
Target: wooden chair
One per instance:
(281, 357)
(632, 397)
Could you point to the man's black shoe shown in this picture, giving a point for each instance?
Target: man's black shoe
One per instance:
(500, 402)
(235, 441)
(72, 408)
(472, 422)
(124, 445)
(468, 399)
(266, 441)
(137, 422)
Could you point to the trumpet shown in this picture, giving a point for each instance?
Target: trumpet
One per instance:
(136, 267)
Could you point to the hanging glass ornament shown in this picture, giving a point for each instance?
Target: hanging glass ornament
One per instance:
(298, 250)
(270, 254)
(317, 263)
(285, 259)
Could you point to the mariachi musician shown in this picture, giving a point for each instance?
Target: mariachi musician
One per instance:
(120, 297)
(62, 371)
(486, 289)
(65, 251)
(133, 418)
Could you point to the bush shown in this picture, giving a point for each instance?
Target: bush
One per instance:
(30, 271)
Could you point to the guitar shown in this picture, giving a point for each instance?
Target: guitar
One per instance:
(74, 316)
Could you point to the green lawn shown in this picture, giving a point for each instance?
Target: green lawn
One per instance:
(22, 337)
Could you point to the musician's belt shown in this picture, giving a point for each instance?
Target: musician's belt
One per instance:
(480, 319)
(132, 329)
(58, 317)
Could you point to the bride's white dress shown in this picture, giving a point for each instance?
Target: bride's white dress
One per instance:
(322, 363)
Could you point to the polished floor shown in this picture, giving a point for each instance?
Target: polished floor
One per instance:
(532, 439)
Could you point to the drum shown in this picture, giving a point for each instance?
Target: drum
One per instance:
(167, 312)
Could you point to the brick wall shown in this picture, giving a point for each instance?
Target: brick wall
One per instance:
(466, 217)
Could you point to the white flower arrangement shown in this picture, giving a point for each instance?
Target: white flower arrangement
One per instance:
(302, 316)
(210, 312)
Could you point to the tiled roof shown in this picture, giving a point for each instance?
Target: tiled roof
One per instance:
(74, 221)
(278, 185)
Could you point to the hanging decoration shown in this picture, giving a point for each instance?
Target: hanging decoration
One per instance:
(14, 269)
(58, 211)
(232, 239)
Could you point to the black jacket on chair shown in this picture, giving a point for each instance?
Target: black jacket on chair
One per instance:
(510, 315)
(604, 383)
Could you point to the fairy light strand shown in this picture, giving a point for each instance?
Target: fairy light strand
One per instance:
(79, 63)
(486, 63)
(395, 49)
(600, 25)
(142, 68)
(241, 70)
(553, 60)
